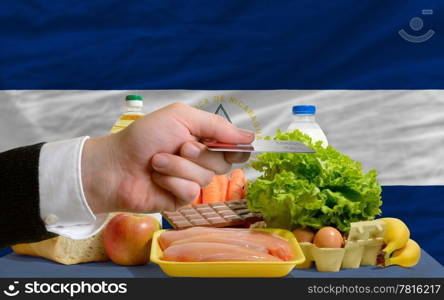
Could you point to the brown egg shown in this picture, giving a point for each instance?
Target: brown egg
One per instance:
(303, 235)
(328, 237)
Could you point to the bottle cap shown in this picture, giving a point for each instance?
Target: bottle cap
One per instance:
(304, 110)
(134, 100)
(134, 97)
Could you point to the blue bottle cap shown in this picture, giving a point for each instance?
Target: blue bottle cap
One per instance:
(304, 110)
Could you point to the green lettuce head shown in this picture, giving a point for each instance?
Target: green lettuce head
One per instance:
(325, 188)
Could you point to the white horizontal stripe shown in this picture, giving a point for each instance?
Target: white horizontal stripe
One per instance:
(398, 132)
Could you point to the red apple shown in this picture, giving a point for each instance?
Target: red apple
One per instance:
(127, 238)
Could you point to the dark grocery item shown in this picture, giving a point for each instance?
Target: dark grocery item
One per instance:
(220, 214)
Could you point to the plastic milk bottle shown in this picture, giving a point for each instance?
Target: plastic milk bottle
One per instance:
(304, 120)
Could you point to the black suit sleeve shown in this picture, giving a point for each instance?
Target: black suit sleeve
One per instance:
(20, 220)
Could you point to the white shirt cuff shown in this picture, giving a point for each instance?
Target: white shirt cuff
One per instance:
(63, 206)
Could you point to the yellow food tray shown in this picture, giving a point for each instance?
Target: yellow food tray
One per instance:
(230, 268)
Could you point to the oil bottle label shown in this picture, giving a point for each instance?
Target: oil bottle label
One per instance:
(123, 122)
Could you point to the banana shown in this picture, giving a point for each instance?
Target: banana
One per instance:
(396, 236)
(407, 256)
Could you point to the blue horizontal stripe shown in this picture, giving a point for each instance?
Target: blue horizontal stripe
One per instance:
(219, 45)
(4, 251)
(420, 207)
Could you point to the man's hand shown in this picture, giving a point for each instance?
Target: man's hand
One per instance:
(157, 163)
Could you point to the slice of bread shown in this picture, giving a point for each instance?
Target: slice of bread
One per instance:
(65, 250)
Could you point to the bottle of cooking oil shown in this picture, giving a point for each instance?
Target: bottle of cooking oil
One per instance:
(134, 105)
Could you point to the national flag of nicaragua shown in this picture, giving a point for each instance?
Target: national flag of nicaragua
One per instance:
(373, 69)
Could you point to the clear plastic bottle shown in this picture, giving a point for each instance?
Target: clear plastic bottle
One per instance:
(304, 120)
(134, 105)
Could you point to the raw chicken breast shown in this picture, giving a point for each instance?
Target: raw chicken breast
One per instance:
(220, 239)
(273, 244)
(168, 237)
(207, 252)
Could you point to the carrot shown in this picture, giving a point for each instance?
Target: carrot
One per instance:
(236, 187)
(198, 199)
(216, 191)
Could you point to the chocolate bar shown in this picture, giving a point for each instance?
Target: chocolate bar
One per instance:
(220, 214)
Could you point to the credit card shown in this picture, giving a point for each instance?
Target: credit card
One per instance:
(261, 146)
